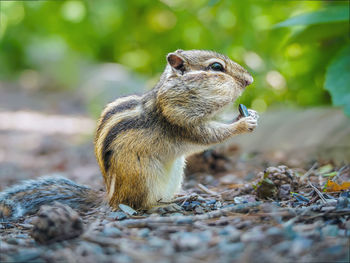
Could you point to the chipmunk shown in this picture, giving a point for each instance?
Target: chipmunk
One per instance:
(141, 141)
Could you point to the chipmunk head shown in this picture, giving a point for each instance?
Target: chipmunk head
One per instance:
(197, 84)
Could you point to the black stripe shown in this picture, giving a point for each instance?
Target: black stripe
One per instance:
(127, 105)
(106, 158)
(140, 122)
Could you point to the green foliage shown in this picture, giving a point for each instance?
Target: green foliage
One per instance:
(328, 27)
(326, 15)
(338, 79)
(59, 39)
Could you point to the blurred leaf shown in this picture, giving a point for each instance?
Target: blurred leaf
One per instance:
(318, 32)
(334, 187)
(330, 14)
(325, 169)
(332, 174)
(338, 79)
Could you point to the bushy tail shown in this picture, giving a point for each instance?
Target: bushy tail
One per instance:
(27, 197)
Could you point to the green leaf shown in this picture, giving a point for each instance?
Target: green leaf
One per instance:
(319, 32)
(338, 79)
(332, 174)
(327, 15)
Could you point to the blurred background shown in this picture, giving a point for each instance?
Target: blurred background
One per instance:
(297, 51)
(62, 61)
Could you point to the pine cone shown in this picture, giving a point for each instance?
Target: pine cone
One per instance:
(277, 182)
(56, 222)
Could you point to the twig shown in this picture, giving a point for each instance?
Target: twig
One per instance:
(319, 193)
(206, 190)
(309, 171)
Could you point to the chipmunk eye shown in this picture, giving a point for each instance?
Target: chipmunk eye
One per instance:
(216, 66)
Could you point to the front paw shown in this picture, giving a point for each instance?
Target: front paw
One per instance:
(247, 124)
(253, 114)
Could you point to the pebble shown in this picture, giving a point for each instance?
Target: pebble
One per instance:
(253, 235)
(156, 242)
(199, 210)
(127, 209)
(211, 202)
(27, 255)
(232, 234)
(243, 199)
(330, 230)
(343, 202)
(184, 220)
(187, 241)
(12, 241)
(275, 232)
(117, 215)
(87, 248)
(143, 232)
(283, 246)
(233, 249)
(112, 232)
(300, 245)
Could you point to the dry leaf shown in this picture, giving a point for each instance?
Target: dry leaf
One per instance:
(334, 187)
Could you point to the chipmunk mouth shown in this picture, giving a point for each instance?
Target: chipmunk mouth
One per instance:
(224, 115)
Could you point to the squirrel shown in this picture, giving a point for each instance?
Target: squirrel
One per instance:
(141, 141)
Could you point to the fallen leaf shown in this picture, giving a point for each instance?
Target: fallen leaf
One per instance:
(334, 187)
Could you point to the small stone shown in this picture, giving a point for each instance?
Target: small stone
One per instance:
(232, 249)
(112, 232)
(243, 199)
(12, 241)
(187, 241)
(253, 235)
(184, 220)
(26, 255)
(343, 202)
(176, 214)
(199, 210)
(300, 245)
(127, 209)
(218, 204)
(144, 232)
(283, 247)
(232, 234)
(118, 215)
(330, 230)
(87, 248)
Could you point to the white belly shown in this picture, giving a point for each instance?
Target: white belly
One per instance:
(167, 184)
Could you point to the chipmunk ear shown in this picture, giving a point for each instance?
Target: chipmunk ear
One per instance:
(175, 61)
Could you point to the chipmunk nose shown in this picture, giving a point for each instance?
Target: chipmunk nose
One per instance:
(247, 79)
